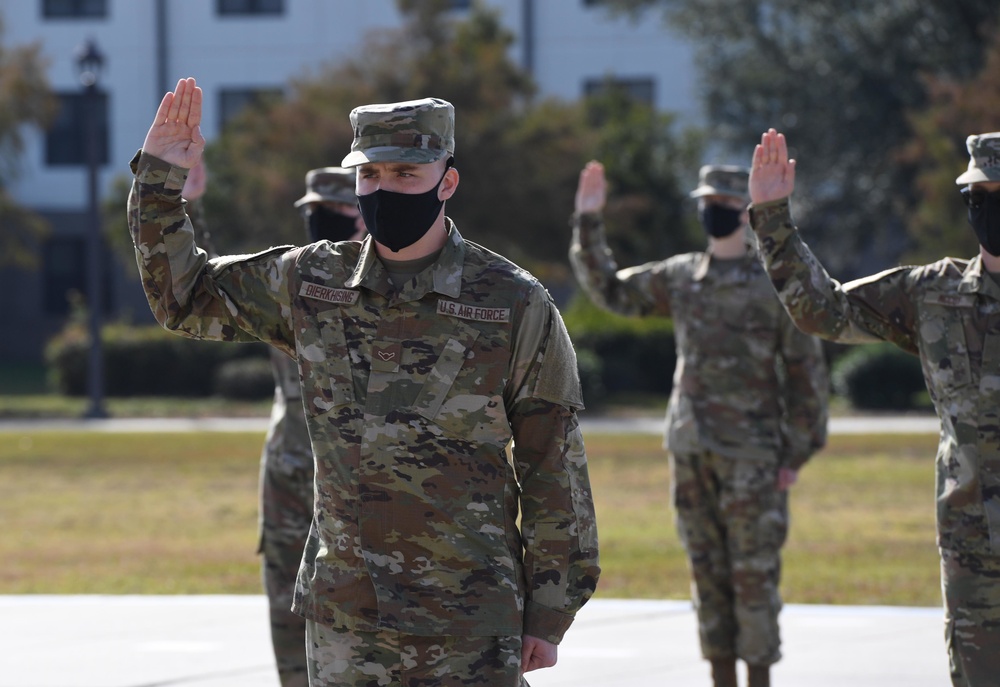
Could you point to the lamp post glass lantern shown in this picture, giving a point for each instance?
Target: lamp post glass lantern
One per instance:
(89, 62)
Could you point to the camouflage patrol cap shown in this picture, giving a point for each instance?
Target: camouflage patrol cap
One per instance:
(419, 131)
(984, 158)
(722, 180)
(329, 184)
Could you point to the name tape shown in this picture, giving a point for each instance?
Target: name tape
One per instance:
(473, 312)
(325, 293)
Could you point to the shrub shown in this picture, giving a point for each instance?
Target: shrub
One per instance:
(140, 361)
(591, 371)
(244, 379)
(879, 377)
(635, 354)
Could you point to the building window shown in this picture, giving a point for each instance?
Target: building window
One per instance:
(249, 7)
(232, 101)
(64, 271)
(641, 90)
(74, 9)
(66, 140)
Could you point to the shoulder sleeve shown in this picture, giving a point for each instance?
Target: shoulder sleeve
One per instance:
(234, 298)
(638, 290)
(559, 528)
(543, 359)
(880, 307)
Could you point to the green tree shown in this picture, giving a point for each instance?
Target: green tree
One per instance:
(257, 166)
(650, 169)
(938, 154)
(519, 155)
(838, 79)
(25, 98)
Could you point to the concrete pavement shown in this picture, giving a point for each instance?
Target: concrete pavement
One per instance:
(859, 424)
(222, 641)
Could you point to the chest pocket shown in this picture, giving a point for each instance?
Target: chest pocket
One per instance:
(456, 396)
(328, 363)
(945, 351)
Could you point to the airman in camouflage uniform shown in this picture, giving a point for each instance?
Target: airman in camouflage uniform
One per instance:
(329, 210)
(421, 355)
(747, 410)
(948, 314)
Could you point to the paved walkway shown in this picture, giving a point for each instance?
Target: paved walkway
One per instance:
(861, 424)
(222, 641)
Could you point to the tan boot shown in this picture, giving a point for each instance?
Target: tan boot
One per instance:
(724, 672)
(759, 676)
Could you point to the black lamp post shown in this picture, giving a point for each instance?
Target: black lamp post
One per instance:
(89, 62)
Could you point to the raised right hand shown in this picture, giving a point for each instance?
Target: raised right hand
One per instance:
(772, 174)
(592, 189)
(175, 135)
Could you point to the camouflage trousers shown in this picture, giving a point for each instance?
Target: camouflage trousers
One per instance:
(971, 588)
(347, 658)
(286, 507)
(732, 521)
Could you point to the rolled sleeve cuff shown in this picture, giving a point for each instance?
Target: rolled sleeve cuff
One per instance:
(768, 218)
(545, 623)
(146, 168)
(588, 227)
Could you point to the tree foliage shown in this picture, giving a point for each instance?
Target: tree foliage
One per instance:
(650, 168)
(519, 156)
(25, 98)
(838, 79)
(938, 154)
(258, 165)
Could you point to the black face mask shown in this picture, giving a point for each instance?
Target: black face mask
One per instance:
(398, 220)
(323, 223)
(984, 217)
(718, 220)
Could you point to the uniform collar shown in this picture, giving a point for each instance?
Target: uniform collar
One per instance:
(976, 280)
(701, 270)
(444, 276)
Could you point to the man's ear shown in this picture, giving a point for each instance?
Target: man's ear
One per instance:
(448, 184)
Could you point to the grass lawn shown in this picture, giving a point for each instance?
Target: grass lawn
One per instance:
(177, 513)
(55, 406)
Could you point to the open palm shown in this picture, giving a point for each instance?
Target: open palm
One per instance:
(772, 174)
(592, 188)
(175, 135)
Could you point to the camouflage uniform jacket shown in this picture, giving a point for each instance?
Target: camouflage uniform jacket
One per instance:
(411, 397)
(748, 384)
(948, 314)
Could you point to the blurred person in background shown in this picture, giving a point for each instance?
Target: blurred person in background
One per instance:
(747, 410)
(948, 314)
(330, 212)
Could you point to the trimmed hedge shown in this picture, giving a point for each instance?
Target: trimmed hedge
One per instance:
(618, 354)
(244, 379)
(144, 361)
(879, 376)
